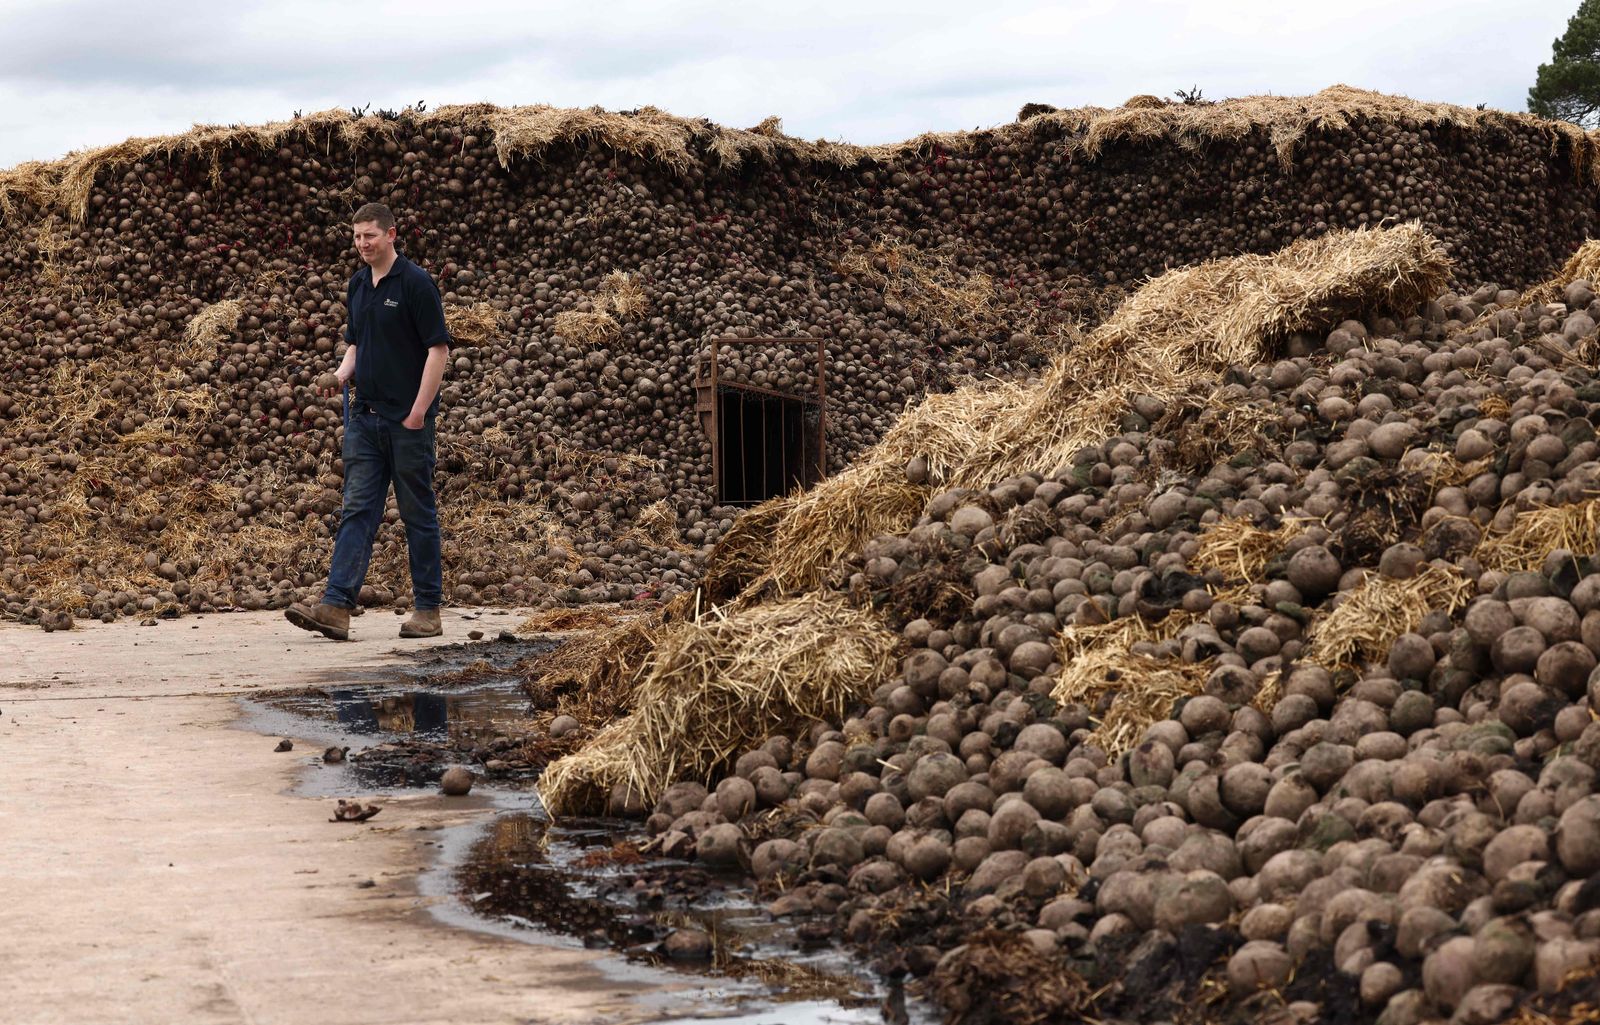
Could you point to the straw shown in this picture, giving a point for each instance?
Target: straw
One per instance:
(586, 328)
(1125, 690)
(593, 678)
(471, 325)
(1241, 550)
(719, 685)
(213, 323)
(679, 144)
(1366, 622)
(1171, 339)
(1536, 533)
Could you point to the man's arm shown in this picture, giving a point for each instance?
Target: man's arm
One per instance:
(432, 375)
(426, 307)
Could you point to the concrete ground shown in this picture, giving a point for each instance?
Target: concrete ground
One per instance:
(155, 865)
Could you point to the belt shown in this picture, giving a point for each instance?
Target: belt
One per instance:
(360, 406)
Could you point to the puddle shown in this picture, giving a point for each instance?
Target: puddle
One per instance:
(580, 884)
(369, 711)
(404, 725)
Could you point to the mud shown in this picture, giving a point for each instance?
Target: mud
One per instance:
(580, 883)
(587, 880)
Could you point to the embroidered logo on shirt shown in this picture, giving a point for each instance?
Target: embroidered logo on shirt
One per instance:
(390, 303)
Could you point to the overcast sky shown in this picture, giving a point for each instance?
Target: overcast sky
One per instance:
(83, 73)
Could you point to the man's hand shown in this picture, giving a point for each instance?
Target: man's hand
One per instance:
(329, 385)
(413, 422)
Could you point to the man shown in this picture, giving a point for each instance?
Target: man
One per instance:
(397, 350)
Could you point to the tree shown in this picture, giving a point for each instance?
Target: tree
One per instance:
(1568, 88)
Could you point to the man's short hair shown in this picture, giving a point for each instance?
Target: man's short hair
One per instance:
(374, 212)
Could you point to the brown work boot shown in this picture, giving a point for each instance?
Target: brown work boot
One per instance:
(328, 620)
(423, 623)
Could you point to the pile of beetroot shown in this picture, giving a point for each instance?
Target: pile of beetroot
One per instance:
(1377, 801)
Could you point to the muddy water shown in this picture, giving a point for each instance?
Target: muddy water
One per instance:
(579, 883)
(367, 711)
(403, 725)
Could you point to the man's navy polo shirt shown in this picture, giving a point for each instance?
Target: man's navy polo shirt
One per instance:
(392, 326)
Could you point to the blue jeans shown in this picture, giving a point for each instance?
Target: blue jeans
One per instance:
(378, 452)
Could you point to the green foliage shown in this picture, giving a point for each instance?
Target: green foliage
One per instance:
(1568, 88)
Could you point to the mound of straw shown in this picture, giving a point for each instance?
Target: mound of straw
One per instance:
(744, 551)
(1239, 549)
(657, 526)
(620, 299)
(594, 677)
(1494, 406)
(719, 685)
(1171, 339)
(586, 328)
(471, 325)
(1368, 620)
(622, 294)
(1536, 533)
(1124, 691)
(214, 323)
(566, 618)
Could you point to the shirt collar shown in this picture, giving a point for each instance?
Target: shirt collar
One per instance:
(364, 272)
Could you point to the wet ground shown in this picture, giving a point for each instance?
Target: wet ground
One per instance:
(584, 882)
(401, 727)
(580, 883)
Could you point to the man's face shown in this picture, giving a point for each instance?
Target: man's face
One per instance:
(372, 242)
